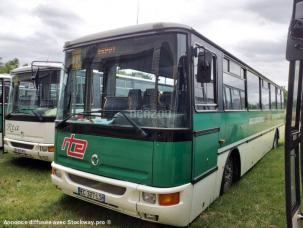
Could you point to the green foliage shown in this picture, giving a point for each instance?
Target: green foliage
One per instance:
(5, 68)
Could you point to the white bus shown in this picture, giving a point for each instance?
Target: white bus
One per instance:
(32, 110)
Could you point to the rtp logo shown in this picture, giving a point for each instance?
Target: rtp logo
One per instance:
(76, 147)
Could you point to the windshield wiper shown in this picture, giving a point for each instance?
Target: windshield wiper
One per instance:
(58, 125)
(134, 124)
(38, 115)
(8, 115)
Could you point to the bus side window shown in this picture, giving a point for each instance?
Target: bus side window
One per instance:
(233, 81)
(273, 97)
(242, 96)
(253, 91)
(205, 93)
(279, 99)
(227, 104)
(265, 95)
(236, 99)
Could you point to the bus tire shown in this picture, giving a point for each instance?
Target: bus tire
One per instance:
(228, 175)
(276, 140)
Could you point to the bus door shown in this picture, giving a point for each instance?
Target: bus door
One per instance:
(294, 115)
(205, 119)
(4, 88)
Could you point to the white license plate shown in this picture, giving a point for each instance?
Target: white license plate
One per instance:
(91, 195)
(19, 151)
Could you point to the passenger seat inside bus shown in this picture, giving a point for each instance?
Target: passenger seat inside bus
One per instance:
(114, 104)
(165, 100)
(134, 99)
(150, 99)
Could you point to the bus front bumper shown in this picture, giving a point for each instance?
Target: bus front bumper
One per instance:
(123, 196)
(28, 149)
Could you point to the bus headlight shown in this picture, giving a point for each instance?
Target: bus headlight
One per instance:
(149, 197)
(43, 148)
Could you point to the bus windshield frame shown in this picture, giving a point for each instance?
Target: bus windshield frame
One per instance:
(145, 77)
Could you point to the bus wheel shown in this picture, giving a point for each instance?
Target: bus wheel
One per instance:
(228, 175)
(276, 141)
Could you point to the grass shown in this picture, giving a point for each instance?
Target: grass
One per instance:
(257, 200)
(27, 193)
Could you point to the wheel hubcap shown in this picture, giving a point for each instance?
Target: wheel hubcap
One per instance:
(228, 175)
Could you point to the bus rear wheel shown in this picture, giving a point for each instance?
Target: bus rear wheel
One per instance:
(228, 175)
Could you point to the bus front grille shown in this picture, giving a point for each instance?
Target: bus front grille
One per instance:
(22, 145)
(116, 190)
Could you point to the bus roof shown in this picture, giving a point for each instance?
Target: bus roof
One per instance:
(149, 27)
(5, 76)
(133, 29)
(45, 66)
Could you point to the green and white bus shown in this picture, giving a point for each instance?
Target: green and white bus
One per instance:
(32, 109)
(156, 121)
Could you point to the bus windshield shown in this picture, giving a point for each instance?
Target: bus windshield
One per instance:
(35, 95)
(143, 77)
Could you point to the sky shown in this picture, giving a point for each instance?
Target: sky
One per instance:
(253, 30)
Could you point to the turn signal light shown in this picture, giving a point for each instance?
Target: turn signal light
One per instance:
(169, 199)
(56, 172)
(51, 149)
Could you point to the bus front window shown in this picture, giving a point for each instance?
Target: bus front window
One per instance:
(143, 77)
(34, 95)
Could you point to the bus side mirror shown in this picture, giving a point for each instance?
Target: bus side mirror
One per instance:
(297, 29)
(204, 71)
(295, 34)
(297, 24)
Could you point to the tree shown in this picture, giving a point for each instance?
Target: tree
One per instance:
(8, 66)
